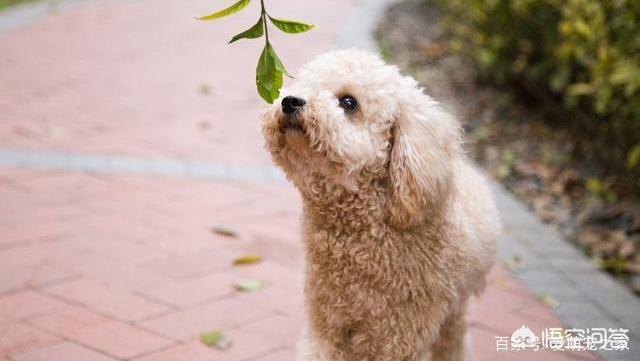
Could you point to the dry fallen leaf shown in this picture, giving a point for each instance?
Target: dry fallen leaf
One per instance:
(432, 50)
(224, 231)
(549, 301)
(503, 284)
(205, 89)
(247, 259)
(215, 339)
(513, 261)
(248, 285)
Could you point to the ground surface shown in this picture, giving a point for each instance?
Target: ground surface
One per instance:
(107, 265)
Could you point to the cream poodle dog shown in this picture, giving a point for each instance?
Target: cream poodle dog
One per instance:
(398, 229)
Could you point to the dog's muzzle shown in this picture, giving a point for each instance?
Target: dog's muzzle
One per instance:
(290, 122)
(291, 104)
(291, 114)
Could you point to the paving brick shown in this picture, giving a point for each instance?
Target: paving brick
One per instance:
(19, 278)
(24, 256)
(541, 313)
(72, 321)
(224, 314)
(109, 336)
(27, 304)
(191, 351)
(246, 344)
(281, 300)
(279, 355)
(111, 273)
(109, 301)
(194, 263)
(20, 337)
(194, 291)
(504, 299)
(65, 351)
(275, 250)
(123, 250)
(277, 330)
(506, 305)
(279, 274)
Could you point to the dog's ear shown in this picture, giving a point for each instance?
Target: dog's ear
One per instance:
(426, 143)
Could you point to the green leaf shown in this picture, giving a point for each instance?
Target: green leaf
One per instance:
(291, 26)
(255, 31)
(279, 64)
(633, 157)
(226, 12)
(248, 285)
(215, 339)
(269, 74)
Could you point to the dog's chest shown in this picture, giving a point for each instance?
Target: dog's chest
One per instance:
(360, 270)
(359, 291)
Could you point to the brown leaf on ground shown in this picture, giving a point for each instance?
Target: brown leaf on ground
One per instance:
(224, 231)
(513, 261)
(549, 301)
(432, 50)
(247, 259)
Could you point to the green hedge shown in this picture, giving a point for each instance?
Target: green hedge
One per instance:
(7, 3)
(584, 53)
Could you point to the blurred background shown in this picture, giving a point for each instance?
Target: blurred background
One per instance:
(550, 95)
(141, 218)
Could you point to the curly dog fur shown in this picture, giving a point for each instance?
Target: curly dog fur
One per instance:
(398, 228)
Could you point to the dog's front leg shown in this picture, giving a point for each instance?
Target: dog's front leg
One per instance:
(451, 343)
(403, 334)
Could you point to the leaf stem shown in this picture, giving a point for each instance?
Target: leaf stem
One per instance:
(263, 14)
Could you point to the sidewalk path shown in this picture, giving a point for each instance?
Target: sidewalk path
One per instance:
(109, 111)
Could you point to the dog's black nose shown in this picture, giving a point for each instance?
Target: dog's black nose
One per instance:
(291, 104)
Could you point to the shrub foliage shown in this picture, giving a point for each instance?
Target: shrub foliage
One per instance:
(584, 53)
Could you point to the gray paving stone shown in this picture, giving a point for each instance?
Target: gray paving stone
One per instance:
(584, 314)
(620, 303)
(168, 167)
(11, 158)
(358, 29)
(121, 164)
(633, 354)
(574, 264)
(176, 168)
(587, 297)
(546, 281)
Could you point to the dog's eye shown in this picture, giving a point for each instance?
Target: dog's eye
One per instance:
(348, 103)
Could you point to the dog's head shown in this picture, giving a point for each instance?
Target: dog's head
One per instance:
(352, 120)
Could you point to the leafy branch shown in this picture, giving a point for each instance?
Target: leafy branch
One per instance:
(270, 70)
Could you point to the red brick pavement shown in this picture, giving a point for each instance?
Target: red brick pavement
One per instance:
(114, 267)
